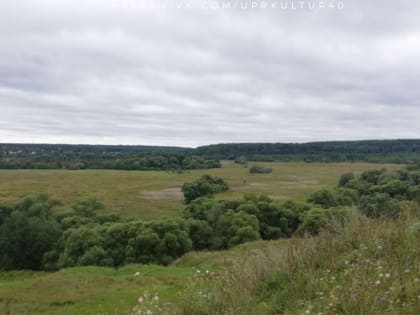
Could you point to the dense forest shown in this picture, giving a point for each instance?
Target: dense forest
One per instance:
(51, 156)
(375, 151)
(37, 233)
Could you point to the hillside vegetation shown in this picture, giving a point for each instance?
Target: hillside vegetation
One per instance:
(352, 248)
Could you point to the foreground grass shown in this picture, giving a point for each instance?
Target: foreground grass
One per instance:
(98, 290)
(156, 194)
(87, 290)
(364, 267)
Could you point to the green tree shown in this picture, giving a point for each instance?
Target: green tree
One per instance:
(28, 230)
(206, 185)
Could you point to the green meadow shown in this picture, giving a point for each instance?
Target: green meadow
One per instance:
(157, 194)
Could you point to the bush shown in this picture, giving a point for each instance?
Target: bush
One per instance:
(27, 233)
(259, 169)
(317, 219)
(324, 198)
(345, 178)
(379, 205)
(240, 160)
(207, 185)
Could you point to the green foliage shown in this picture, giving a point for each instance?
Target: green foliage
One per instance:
(75, 243)
(240, 227)
(345, 178)
(317, 219)
(219, 224)
(379, 205)
(211, 220)
(73, 157)
(207, 185)
(95, 256)
(324, 198)
(34, 236)
(373, 151)
(5, 212)
(276, 219)
(158, 242)
(87, 207)
(259, 169)
(372, 176)
(240, 160)
(27, 232)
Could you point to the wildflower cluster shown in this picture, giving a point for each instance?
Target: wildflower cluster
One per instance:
(148, 304)
(369, 280)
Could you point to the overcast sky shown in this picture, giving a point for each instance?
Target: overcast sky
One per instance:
(196, 72)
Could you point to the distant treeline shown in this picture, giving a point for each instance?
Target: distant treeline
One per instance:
(52, 156)
(40, 156)
(36, 233)
(375, 151)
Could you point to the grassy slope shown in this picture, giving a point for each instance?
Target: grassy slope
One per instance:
(86, 290)
(97, 290)
(128, 192)
(330, 274)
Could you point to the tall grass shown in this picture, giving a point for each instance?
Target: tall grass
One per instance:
(355, 266)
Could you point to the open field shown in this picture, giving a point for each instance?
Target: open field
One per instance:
(157, 194)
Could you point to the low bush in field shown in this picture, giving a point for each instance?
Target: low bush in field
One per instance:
(259, 169)
(206, 185)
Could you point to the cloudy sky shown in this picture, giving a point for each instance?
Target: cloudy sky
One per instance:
(194, 72)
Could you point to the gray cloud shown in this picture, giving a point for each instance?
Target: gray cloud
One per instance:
(116, 72)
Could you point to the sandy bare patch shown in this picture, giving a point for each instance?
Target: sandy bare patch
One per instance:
(168, 193)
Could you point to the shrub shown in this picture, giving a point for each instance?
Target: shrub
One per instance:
(206, 185)
(29, 230)
(345, 178)
(324, 198)
(316, 219)
(95, 256)
(259, 169)
(379, 205)
(240, 160)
